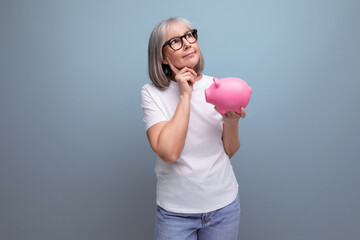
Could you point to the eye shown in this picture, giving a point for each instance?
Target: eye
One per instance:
(174, 41)
(188, 35)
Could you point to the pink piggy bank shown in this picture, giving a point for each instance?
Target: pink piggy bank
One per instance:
(228, 94)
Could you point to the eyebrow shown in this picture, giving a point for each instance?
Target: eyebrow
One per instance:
(180, 35)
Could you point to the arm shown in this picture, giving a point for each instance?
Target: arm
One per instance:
(167, 139)
(230, 134)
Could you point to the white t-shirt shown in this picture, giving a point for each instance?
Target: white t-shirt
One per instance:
(202, 179)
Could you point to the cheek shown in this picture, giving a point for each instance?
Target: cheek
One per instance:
(174, 58)
(166, 54)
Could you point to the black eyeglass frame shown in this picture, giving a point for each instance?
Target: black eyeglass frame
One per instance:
(193, 32)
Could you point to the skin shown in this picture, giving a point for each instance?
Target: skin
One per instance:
(167, 138)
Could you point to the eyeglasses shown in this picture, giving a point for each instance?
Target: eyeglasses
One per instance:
(176, 43)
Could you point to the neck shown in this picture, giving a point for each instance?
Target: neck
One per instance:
(198, 77)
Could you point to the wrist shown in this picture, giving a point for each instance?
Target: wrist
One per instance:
(231, 122)
(185, 95)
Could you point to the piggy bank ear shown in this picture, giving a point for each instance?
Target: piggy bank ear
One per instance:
(217, 82)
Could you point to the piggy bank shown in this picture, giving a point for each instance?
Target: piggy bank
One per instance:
(228, 94)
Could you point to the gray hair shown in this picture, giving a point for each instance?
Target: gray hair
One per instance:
(155, 55)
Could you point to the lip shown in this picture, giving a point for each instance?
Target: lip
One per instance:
(189, 54)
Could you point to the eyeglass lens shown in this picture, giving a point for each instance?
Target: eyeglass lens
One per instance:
(177, 42)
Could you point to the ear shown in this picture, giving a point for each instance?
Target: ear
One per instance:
(217, 82)
(164, 61)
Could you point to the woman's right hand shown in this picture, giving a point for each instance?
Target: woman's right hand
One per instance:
(167, 138)
(185, 78)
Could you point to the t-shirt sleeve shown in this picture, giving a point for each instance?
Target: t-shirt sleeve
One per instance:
(152, 112)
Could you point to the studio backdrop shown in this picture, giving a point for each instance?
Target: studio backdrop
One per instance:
(75, 163)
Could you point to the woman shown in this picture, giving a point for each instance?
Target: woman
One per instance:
(197, 192)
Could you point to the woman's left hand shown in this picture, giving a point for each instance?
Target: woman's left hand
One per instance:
(232, 117)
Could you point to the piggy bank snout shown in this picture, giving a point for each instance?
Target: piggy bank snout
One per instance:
(207, 94)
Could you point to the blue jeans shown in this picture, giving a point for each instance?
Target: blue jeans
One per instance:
(221, 224)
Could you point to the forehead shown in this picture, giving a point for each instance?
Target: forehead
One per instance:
(176, 29)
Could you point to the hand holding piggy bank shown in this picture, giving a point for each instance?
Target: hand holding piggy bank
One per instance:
(228, 94)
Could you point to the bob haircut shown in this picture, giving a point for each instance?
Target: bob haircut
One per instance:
(155, 55)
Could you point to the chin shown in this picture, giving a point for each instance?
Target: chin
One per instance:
(192, 64)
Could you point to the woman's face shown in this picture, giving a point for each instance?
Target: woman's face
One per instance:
(188, 55)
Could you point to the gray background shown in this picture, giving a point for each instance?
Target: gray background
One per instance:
(74, 158)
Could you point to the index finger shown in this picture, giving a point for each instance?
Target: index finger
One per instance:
(191, 71)
(176, 70)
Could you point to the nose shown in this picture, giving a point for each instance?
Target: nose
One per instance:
(186, 43)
